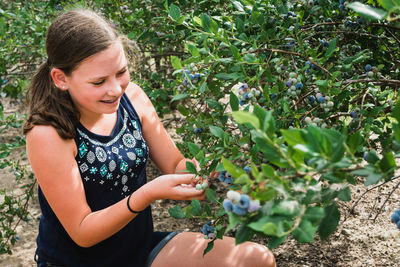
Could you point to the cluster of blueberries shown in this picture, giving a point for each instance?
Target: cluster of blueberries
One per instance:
(310, 66)
(208, 231)
(202, 186)
(240, 204)
(225, 177)
(396, 218)
(294, 85)
(290, 14)
(245, 93)
(370, 70)
(315, 122)
(194, 77)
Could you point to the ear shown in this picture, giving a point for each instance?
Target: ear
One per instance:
(59, 78)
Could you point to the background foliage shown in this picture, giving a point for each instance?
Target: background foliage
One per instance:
(293, 100)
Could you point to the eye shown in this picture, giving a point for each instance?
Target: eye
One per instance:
(122, 72)
(98, 83)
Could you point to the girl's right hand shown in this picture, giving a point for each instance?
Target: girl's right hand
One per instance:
(175, 187)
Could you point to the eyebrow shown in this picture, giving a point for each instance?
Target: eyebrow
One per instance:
(104, 77)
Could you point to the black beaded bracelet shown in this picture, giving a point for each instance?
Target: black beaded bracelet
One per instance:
(129, 208)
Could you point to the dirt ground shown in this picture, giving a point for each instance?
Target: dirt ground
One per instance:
(358, 241)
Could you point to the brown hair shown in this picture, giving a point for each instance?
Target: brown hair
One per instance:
(71, 38)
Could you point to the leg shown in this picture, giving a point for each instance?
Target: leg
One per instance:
(186, 249)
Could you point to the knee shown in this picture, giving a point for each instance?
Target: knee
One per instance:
(269, 259)
(265, 257)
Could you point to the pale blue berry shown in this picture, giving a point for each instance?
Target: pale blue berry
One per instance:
(254, 206)
(227, 204)
(244, 201)
(239, 210)
(395, 218)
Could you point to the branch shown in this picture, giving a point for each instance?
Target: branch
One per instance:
(370, 189)
(390, 194)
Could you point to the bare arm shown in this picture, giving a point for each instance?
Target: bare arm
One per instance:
(163, 150)
(53, 162)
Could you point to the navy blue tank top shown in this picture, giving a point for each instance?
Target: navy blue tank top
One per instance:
(111, 168)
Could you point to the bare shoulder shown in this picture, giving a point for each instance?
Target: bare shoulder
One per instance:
(140, 101)
(46, 137)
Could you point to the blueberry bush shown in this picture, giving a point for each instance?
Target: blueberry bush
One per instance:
(292, 102)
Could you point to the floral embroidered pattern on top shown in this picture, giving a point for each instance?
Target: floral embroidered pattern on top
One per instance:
(111, 164)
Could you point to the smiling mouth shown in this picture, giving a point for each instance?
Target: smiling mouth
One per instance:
(109, 101)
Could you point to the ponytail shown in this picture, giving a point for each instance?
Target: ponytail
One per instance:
(48, 105)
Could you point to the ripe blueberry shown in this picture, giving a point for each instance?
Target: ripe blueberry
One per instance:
(353, 114)
(321, 99)
(244, 201)
(247, 169)
(254, 206)
(238, 210)
(227, 204)
(197, 130)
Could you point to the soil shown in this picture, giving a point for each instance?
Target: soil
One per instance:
(358, 241)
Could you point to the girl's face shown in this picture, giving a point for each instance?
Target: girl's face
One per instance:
(98, 83)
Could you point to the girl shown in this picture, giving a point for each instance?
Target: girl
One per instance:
(90, 133)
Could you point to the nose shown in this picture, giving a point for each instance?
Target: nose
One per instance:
(115, 87)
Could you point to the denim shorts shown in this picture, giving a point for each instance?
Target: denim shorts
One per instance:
(160, 239)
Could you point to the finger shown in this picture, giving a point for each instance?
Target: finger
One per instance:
(183, 178)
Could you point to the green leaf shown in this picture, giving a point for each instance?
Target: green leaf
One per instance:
(243, 117)
(196, 207)
(387, 163)
(330, 222)
(211, 195)
(286, 208)
(174, 12)
(193, 148)
(176, 212)
(293, 136)
(268, 170)
(345, 194)
(322, 83)
(193, 50)
(373, 178)
(206, 22)
(305, 232)
(331, 49)
(372, 157)
(396, 111)
(232, 169)
(235, 52)
(233, 101)
(314, 214)
(274, 242)
(209, 247)
(238, 6)
(227, 77)
(389, 4)
(243, 234)
(216, 131)
(233, 221)
(179, 97)
(183, 110)
(354, 141)
(366, 11)
(176, 62)
(190, 167)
